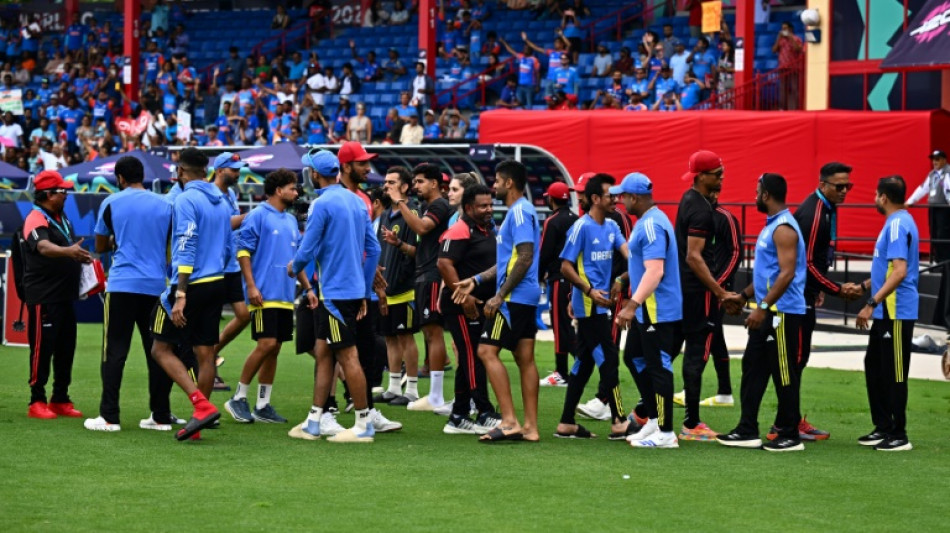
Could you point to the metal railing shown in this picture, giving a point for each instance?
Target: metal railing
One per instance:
(621, 20)
(281, 41)
(780, 89)
(459, 92)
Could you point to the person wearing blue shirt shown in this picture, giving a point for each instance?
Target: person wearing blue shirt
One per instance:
(339, 238)
(586, 263)
(893, 303)
(317, 129)
(653, 314)
(529, 69)
(169, 103)
(152, 62)
(71, 116)
(44, 92)
(75, 35)
(296, 66)
(691, 91)
(268, 241)
(432, 129)
(511, 313)
(565, 77)
(701, 60)
(136, 279)
(189, 311)
(778, 287)
(663, 84)
(641, 85)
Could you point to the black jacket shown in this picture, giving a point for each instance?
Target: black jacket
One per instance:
(553, 237)
(815, 220)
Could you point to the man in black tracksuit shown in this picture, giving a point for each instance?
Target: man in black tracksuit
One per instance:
(817, 218)
(727, 255)
(553, 238)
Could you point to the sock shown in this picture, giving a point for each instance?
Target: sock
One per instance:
(435, 387)
(241, 393)
(346, 389)
(263, 395)
(412, 387)
(196, 398)
(362, 419)
(315, 413)
(395, 383)
(331, 403)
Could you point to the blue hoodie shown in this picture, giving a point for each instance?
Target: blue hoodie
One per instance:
(201, 240)
(270, 238)
(340, 239)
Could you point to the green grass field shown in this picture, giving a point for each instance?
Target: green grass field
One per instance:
(56, 476)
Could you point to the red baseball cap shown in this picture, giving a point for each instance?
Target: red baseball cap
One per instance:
(582, 181)
(559, 191)
(702, 161)
(50, 179)
(353, 151)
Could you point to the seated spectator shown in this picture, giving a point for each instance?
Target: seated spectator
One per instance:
(41, 132)
(392, 68)
(392, 125)
(412, 132)
(454, 125)
(625, 62)
(213, 139)
(321, 84)
(636, 103)
(432, 129)
(399, 15)
(481, 10)
(360, 127)
(679, 61)
(263, 69)
(691, 91)
(602, 62)
(178, 41)
(341, 119)
(668, 102)
(281, 19)
(371, 70)
(11, 130)
(405, 109)
(296, 67)
(349, 81)
(317, 127)
(491, 44)
(509, 95)
(615, 88)
(296, 136)
(560, 101)
(604, 100)
(663, 84)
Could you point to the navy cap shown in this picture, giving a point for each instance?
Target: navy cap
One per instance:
(633, 183)
(938, 153)
(228, 160)
(322, 161)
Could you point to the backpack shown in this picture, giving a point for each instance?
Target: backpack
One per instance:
(16, 259)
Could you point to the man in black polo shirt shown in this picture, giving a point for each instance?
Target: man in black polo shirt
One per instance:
(701, 293)
(553, 237)
(52, 261)
(436, 210)
(468, 248)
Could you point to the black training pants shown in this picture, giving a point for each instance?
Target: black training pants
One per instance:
(886, 364)
(52, 337)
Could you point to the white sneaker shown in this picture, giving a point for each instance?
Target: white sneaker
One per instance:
(444, 409)
(652, 426)
(100, 424)
(554, 379)
(150, 423)
(460, 426)
(719, 400)
(422, 404)
(485, 423)
(329, 426)
(351, 436)
(595, 409)
(680, 398)
(381, 424)
(378, 390)
(660, 439)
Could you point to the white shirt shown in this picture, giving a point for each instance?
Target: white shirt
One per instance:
(320, 81)
(924, 188)
(411, 135)
(12, 132)
(418, 84)
(679, 66)
(50, 161)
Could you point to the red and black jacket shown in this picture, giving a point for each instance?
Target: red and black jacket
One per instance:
(816, 220)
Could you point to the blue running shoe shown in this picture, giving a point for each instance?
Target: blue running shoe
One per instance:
(239, 410)
(268, 415)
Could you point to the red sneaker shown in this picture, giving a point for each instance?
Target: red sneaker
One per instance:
(65, 409)
(40, 410)
(807, 431)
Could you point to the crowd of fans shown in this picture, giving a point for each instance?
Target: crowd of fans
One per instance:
(257, 100)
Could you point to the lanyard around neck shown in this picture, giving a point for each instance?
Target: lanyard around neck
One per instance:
(63, 228)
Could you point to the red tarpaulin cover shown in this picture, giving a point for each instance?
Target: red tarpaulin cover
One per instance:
(794, 144)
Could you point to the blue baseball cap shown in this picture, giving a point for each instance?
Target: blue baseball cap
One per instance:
(633, 183)
(322, 161)
(228, 160)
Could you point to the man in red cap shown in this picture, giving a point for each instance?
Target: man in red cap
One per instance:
(52, 259)
(702, 294)
(553, 237)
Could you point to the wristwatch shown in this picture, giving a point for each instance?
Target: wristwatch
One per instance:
(763, 305)
(180, 294)
(871, 302)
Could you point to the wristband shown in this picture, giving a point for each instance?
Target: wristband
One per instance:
(180, 294)
(590, 288)
(619, 280)
(478, 279)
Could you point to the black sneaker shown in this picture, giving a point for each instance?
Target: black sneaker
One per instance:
(737, 440)
(784, 444)
(401, 401)
(196, 424)
(894, 444)
(219, 384)
(872, 439)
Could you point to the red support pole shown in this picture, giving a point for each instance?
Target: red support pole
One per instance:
(130, 40)
(745, 47)
(72, 9)
(427, 31)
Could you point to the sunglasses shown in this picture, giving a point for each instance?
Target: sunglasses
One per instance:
(59, 191)
(840, 187)
(716, 174)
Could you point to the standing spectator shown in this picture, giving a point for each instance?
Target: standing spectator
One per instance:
(571, 28)
(360, 127)
(412, 133)
(52, 258)
(371, 70)
(281, 20)
(432, 129)
(423, 87)
(296, 67)
(11, 130)
(529, 73)
(726, 67)
(349, 82)
(233, 66)
(695, 8)
(509, 95)
(75, 36)
(763, 11)
(788, 46)
(178, 41)
(669, 40)
(603, 61)
(679, 60)
(160, 16)
(702, 60)
(399, 15)
(321, 84)
(375, 15)
(392, 68)
(554, 57)
(341, 119)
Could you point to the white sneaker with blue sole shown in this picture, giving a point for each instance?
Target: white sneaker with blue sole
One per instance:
(306, 430)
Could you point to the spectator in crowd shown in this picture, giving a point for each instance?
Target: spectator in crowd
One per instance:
(571, 29)
(668, 42)
(349, 81)
(566, 78)
(341, 119)
(432, 129)
(679, 60)
(233, 65)
(405, 109)
(602, 62)
(263, 69)
(322, 84)
(423, 86)
(412, 133)
(726, 68)
(691, 91)
(625, 62)
(392, 125)
(159, 16)
(560, 101)
(281, 19)
(636, 103)
(11, 130)
(554, 57)
(702, 61)
(360, 127)
(668, 102)
(695, 8)
(604, 100)
(375, 15)
(454, 125)
(317, 127)
(788, 46)
(178, 41)
(763, 11)
(529, 72)
(296, 67)
(509, 95)
(491, 44)
(399, 15)
(371, 71)
(615, 87)
(663, 84)
(393, 69)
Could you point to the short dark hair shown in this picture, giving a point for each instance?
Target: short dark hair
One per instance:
(596, 185)
(704, 41)
(375, 194)
(513, 170)
(193, 158)
(830, 169)
(429, 171)
(277, 179)
(404, 175)
(131, 169)
(893, 187)
(472, 192)
(775, 185)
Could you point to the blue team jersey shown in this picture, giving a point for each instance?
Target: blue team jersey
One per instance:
(653, 238)
(270, 238)
(766, 268)
(566, 77)
(526, 69)
(139, 263)
(520, 226)
(702, 64)
(689, 95)
(662, 86)
(554, 62)
(316, 134)
(232, 265)
(898, 240)
(433, 131)
(590, 246)
(71, 117)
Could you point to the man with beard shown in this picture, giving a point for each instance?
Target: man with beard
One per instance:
(269, 236)
(775, 326)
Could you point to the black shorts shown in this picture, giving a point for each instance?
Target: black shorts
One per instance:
(336, 322)
(272, 323)
(700, 312)
(202, 314)
(506, 332)
(306, 338)
(234, 287)
(427, 303)
(400, 320)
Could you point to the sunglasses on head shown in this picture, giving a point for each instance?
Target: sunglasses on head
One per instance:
(840, 187)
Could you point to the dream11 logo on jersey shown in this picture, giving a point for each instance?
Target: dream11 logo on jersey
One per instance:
(934, 24)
